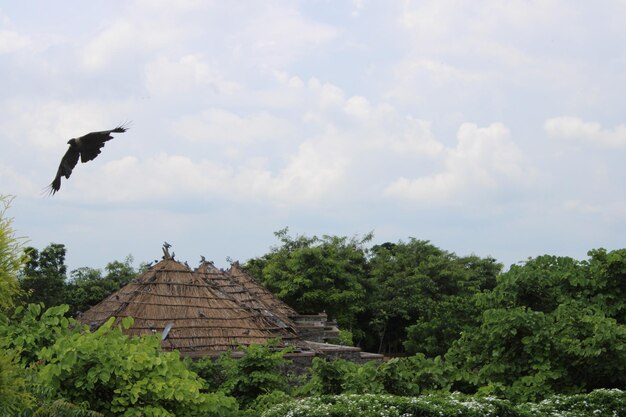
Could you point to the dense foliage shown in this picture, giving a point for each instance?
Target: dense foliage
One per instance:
(552, 325)
(44, 279)
(256, 373)
(117, 375)
(547, 337)
(317, 274)
(43, 276)
(104, 371)
(88, 286)
(420, 297)
(395, 297)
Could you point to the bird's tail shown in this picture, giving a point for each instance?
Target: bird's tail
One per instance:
(123, 127)
(48, 191)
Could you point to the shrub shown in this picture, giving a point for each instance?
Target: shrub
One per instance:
(32, 328)
(597, 403)
(256, 373)
(371, 405)
(600, 402)
(415, 375)
(14, 395)
(117, 375)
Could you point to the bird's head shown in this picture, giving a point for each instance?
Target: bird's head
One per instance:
(71, 141)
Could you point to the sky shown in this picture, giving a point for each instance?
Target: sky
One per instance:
(491, 128)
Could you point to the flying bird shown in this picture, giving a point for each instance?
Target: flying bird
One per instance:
(87, 148)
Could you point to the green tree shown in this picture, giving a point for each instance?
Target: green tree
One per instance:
(314, 274)
(550, 326)
(420, 297)
(607, 287)
(87, 287)
(43, 276)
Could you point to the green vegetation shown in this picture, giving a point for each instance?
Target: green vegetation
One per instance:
(552, 325)
(317, 274)
(405, 297)
(103, 371)
(118, 375)
(597, 403)
(545, 338)
(257, 373)
(11, 257)
(44, 279)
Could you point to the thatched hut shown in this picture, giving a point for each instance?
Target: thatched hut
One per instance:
(207, 311)
(204, 320)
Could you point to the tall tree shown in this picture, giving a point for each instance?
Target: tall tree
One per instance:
(552, 325)
(43, 276)
(87, 287)
(420, 297)
(316, 274)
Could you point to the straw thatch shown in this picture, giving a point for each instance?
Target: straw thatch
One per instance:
(248, 295)
(205, 320)
(259, 292)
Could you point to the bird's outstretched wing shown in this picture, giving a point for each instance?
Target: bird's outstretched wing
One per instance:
(68, 162)
(90, 144)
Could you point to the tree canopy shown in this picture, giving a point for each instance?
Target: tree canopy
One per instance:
(316, 274)
(549, 325)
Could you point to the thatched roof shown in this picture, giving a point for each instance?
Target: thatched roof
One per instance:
(259, 292)
(205, 320)
(248, 295)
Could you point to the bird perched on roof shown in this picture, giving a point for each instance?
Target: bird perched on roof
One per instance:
(86, 147)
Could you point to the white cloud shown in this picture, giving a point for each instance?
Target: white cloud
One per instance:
(574, 128)
(11, 41)
(313, 172)
(608, 210)
(222, 126)
(309, 175)
(56, 121)
(276, 35)
(126, 41)
(358, 106)
(132, 179)
(18, 183)
(437, 71)
(478, 50)
(439, 23)
(188, 74)
(417, 139)
(328, 94)
(484, 161)
(357, 6)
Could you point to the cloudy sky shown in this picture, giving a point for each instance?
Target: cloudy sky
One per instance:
(494, 128)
